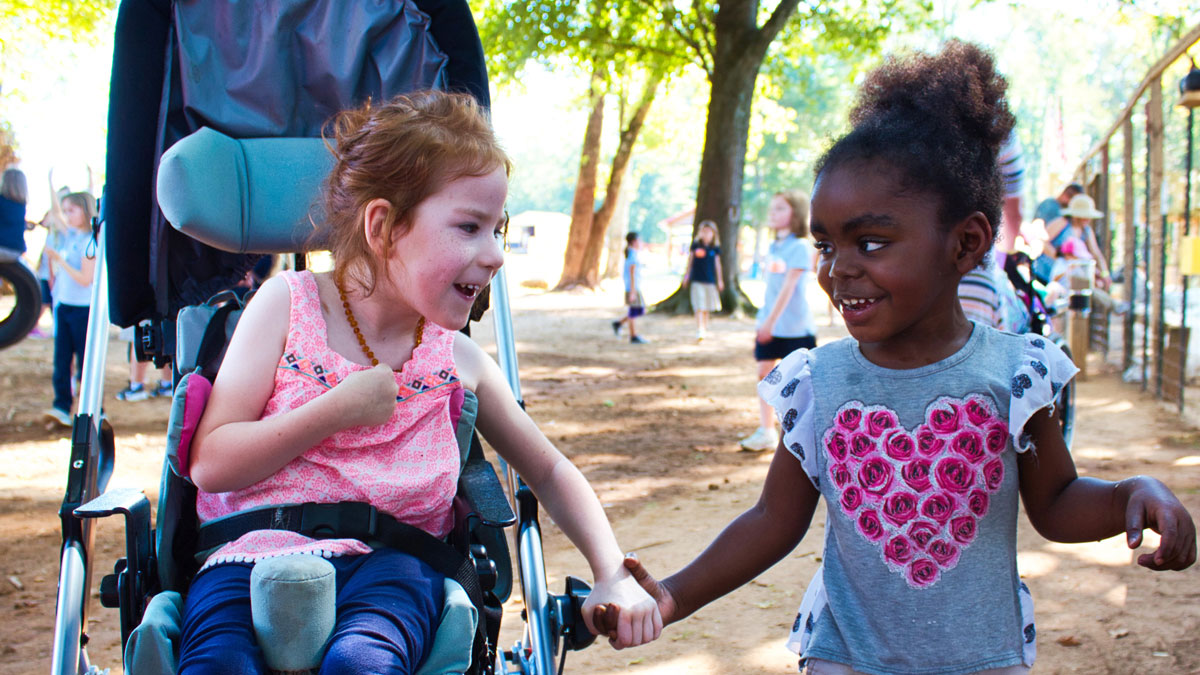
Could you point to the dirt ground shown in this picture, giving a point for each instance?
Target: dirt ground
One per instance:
(653, 427)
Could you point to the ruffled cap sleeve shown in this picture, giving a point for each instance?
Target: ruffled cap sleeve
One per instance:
(788, 389)
(1043, 371)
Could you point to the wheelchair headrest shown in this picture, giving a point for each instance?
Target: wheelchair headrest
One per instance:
(249, 195)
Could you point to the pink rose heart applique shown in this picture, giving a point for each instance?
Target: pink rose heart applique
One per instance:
(918, 495)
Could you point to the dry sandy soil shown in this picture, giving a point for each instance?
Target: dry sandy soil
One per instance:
(653, 427)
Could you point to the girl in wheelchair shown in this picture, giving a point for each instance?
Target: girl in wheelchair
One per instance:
(341, 386)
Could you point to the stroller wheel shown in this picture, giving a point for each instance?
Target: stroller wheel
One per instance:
(20, 302)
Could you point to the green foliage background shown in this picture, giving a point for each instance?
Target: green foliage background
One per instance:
(1084, 58)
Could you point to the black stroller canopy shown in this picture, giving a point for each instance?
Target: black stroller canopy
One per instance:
(278, 68)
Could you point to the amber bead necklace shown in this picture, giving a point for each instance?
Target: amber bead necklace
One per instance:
(362, 341)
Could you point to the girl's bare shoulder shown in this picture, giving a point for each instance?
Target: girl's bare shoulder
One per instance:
(473, 364)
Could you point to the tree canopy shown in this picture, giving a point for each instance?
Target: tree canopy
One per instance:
(29, 29)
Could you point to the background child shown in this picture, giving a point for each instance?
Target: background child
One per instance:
(920, 430)
(314, 400)
(14, 193)
(703, 276)
(785, 321)
(139, 389)
(632, 275)
(73, 268)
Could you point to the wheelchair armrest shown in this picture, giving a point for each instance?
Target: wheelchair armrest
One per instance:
(117, 500)
(133, 577)
(479, 486)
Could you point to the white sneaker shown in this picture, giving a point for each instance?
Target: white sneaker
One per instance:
(761, 439)
(700, 335)
(59, 417)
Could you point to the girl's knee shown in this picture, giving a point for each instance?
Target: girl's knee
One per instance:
(221, 662)
(359, 653)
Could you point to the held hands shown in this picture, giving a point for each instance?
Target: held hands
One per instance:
(606, 619)
(624, 611)
(368, 397)
(1151, 504)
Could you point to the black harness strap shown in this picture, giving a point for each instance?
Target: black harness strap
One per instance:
(359, 520)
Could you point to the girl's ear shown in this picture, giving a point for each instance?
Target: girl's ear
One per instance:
(375, 216)
(973, 238)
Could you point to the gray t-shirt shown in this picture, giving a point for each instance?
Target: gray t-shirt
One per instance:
(918, 470)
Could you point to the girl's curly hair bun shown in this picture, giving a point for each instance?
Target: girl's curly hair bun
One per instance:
(940, 120)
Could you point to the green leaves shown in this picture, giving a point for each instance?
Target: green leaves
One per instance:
(612, 36)
(46, 20)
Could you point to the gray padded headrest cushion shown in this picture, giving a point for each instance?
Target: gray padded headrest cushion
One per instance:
(255, 195)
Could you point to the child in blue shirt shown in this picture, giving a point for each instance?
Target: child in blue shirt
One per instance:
(73, 270)
(703, 276)
(631, 273)
(14, 193)
(785, 321)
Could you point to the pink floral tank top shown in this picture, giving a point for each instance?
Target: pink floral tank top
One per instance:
(407, 468)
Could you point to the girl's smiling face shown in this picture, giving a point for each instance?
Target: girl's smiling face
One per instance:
(452, 249)
(76, 216)
(890, 267)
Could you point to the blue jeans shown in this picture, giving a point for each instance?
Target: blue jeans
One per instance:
(70, 334)
(388, 607)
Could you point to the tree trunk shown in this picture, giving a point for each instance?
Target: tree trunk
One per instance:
(603, 216)
(585, 193)
(739, 50)
(614, 239)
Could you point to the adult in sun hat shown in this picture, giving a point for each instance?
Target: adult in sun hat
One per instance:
(1049, 209)
(1072, 238)
(1071, 235)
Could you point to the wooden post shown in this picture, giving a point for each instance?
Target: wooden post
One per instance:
(1078, 324)
(1130, 239)
(1101, 323)
(1106, 220)
(1174, 363)
(1154, 123)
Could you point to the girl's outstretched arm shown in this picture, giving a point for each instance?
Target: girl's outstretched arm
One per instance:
(233, 448)
(753, 542)
(55, 205)
(1068, 508)
(563, 490)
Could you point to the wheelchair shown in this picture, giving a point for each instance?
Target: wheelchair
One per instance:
(205, 176)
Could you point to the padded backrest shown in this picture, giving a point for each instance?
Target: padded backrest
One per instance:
(253, 195)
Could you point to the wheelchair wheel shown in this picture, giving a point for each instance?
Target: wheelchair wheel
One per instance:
(1065, 410)
(20, 302)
